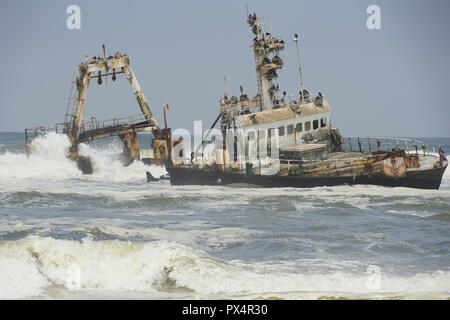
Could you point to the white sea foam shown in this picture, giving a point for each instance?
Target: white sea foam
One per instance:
(29, 266)
(358, 196)
(20, 278)
(111, 170)
(49, 162)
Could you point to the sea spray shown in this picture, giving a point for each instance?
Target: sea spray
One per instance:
(107, 167)
(49, 162)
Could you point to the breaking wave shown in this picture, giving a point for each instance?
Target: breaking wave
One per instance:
(29, 267)
(49, 162)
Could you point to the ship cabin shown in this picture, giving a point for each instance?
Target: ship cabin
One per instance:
(296, 124)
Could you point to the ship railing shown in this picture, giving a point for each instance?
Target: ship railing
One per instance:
(86, 125)
(40, 131)
(94, 124)
(376, 144)
(32, 133)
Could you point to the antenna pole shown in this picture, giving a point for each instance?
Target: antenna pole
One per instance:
(299, 65)
(225, 82)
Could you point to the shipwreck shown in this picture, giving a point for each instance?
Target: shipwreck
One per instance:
(274, 140)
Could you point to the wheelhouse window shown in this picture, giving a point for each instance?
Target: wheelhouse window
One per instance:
(323, 122)
(281, 131)
(290, 129)
(315, 124)
(307, 125)
(299, 127)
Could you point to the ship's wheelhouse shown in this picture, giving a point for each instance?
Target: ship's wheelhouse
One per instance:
(311, 125)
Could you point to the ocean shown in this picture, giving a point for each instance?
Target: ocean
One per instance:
(112, 235)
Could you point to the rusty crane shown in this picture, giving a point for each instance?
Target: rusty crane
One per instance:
(81, 130)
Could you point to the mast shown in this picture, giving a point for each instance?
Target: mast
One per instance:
(299, 65)
(264, 46)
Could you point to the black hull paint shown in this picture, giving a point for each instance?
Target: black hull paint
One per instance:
(188, 176)
(424, 179)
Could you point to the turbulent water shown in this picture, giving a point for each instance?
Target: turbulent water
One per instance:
(65, 235)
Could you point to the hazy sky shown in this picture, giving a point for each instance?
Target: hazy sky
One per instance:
(388, 82)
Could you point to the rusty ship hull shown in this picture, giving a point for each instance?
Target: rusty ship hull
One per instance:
(422, 179)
